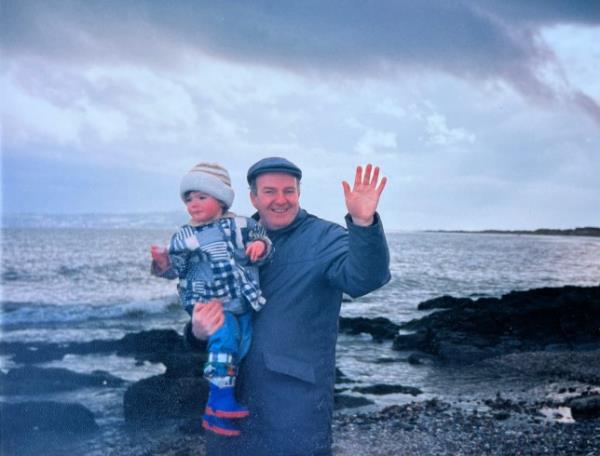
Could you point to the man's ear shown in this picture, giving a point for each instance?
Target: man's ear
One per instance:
(253, 199)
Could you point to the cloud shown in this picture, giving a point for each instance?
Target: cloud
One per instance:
(472, 39)
(373, 141)
(438, 132)
(483, 92)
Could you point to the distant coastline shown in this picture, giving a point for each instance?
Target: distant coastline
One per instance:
(583, 231)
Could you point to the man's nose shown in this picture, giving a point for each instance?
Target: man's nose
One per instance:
(280, 198)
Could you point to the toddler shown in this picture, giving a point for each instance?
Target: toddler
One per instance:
(215, 256)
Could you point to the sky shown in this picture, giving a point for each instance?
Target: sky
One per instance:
(482, 114)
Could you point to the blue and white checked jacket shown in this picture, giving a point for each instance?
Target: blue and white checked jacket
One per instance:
(210, 262)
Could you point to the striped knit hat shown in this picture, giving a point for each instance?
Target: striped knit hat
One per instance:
(208, 178)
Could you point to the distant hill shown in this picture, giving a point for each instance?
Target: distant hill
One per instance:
(158, 220)
(584, 231)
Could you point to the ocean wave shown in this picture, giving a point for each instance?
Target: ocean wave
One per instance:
(18, 313)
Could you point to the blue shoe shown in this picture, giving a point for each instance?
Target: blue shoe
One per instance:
(220, 426)
(221, 403)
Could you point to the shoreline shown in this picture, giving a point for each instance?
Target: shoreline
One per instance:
(588, 231)
(502, 387)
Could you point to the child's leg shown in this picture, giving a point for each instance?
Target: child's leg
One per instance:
(221, 370)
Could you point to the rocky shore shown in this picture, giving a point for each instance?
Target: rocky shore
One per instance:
(549, 337)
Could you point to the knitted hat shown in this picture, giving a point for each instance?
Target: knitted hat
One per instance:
(208, 178)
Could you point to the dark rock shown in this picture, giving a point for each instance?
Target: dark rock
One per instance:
(412, 341)
(39, 352)
(388, 360)
(418, 358)
(191, 426)
(585, 407)
(379, 328)
(340, 377)
(342, 401)
(31, 417)
(523, 321)
(150, 345)
(381, 389)
(155, 341)
(443, 302)
(161, 397)
(189, 364)
(37, 380)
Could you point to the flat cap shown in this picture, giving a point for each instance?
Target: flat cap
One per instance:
(273, 165)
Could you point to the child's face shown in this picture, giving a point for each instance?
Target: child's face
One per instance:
(202, 207)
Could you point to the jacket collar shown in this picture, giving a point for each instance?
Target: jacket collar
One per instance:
(225, 215)
(300, 217)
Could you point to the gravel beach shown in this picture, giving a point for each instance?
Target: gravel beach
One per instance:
(504, 423)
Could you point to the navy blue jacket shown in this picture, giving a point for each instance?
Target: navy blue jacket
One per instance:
(287, 378)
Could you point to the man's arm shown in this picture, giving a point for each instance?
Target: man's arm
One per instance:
(359, 258)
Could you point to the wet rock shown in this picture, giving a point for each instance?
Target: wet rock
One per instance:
(28, 418)
(152, 345)
(534, 320)
(37, 380)
(387, 360)
(160, 397)
(381, 389)
(188, 364)
(155, 342)
(417, 359)
(585, 407)
(341, 401)
(443, 302)
(379, 328)
(340, 377)
(30, 353)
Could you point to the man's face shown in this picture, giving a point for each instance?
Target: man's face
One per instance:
(276, 199)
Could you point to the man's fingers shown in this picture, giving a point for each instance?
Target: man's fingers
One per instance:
(375, 176)
(367, 176)
(346, 187)
(381, 186)
(358, 176)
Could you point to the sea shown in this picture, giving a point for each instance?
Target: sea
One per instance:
(84, 279)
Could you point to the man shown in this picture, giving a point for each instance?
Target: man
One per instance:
(288, 376)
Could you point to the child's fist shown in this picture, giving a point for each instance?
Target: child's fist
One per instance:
(255, 250)
(160, 256)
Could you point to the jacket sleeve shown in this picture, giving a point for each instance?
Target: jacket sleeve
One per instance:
(358, 259)
(179, 254)
(257, 232)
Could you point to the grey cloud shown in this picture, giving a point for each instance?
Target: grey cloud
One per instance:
(468, 38)
(473, 39)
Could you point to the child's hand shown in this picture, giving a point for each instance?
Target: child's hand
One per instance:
(255, 250)
(160, 256)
